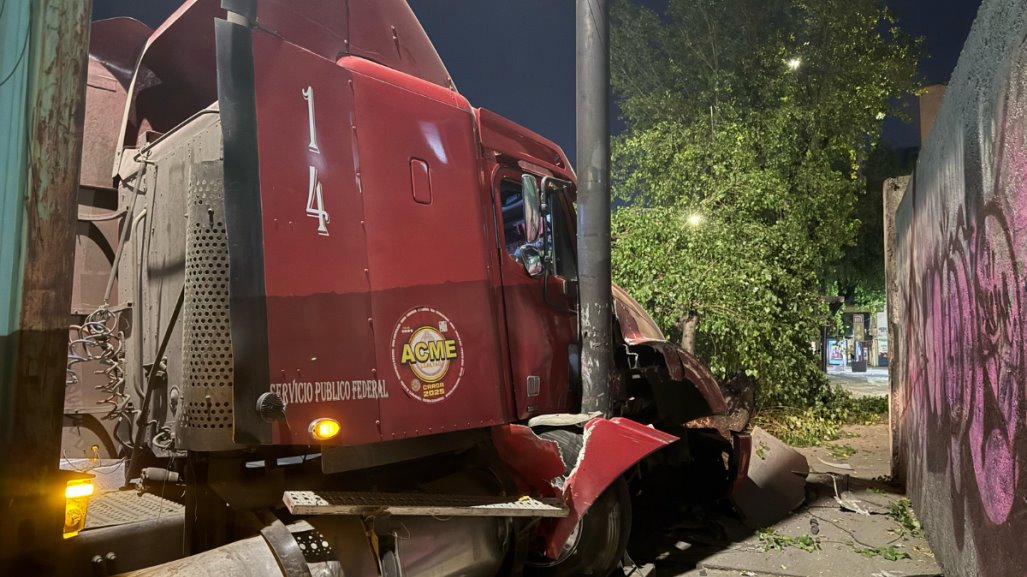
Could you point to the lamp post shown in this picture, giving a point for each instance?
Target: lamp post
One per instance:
(593, 167)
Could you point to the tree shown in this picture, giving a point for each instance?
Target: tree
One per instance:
(737, 175)
(859, 276)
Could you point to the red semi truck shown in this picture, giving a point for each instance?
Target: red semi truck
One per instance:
(328, 307)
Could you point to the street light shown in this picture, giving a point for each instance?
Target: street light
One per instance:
(794, 64)
(695, 219)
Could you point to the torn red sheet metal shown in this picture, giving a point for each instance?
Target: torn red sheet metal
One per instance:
(538, 461)
(610, 447)
(703, 379)
(740, 459)
(774, 484)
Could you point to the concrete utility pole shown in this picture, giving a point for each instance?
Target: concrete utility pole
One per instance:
(43, 55)
(593, 168)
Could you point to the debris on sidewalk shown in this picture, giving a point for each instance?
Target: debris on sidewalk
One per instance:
(848, 523)
(775, 484)
(847, 501)
(842, 466)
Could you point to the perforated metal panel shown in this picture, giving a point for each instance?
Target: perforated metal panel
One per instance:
(123, 507)
(205, 423)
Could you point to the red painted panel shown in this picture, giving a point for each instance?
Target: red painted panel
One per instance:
(703, 379)
(536, 461)
(420, 181)
(321, 353)
(537, 334)
(513, 140)
(636, 325)
(387, 32)
(435, 327)
(320, 26)
(611, 446)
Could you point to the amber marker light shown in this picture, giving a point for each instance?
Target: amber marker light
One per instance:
(324, 429)
(78, 489)
(76, 505)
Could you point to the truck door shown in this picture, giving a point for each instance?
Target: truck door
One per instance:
(541, 325)
(432, 305)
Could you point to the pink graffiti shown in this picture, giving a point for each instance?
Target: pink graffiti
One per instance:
(963, 361)
(999, 340)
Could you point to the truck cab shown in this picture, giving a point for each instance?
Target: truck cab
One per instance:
(336, 277)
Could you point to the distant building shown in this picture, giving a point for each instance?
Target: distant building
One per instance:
(930, 102)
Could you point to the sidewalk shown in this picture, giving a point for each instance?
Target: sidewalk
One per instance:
(872, 383)
(844, 544)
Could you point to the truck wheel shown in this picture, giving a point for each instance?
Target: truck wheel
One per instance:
(597, 544)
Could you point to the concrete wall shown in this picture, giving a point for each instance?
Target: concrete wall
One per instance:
(959, 297)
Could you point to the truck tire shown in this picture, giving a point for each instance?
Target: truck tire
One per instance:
(597, 546)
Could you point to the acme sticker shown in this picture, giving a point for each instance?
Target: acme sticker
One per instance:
(427, 354)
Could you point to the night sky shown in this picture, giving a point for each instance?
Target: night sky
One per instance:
(517, 58)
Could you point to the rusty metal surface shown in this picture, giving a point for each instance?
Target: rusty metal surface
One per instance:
(113, 49)
(32, 383)
(740, 402)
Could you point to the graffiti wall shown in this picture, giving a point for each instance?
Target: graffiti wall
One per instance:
(958, 294)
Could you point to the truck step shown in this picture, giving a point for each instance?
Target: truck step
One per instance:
(125, 507)
(419, 504)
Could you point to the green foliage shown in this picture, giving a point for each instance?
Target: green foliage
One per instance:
(761, 450)
(859, 276)
(853, 410)
(772, 540)
(799, 427)
(813, 426)
(841, 451)
(737, 177)
(902, 512)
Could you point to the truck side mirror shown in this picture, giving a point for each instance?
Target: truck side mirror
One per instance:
(532, 208)
(530, 258)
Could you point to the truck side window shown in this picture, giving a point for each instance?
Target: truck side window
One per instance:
(563, 232)
(512, 199)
